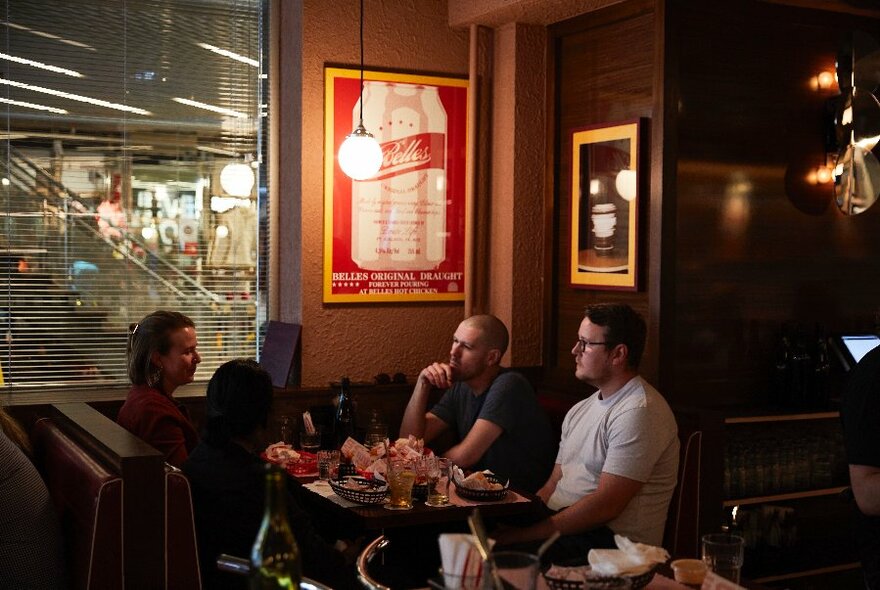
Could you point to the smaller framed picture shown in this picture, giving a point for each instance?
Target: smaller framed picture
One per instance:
(605, 181)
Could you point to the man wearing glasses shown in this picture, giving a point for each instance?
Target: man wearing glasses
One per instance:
(492, 412)
(617, 463)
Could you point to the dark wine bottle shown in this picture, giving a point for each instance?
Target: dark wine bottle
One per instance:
(343, 422)
(275, 558)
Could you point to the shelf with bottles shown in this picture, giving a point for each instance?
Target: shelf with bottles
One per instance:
(782, 460)
(801, 538)
(782, 416)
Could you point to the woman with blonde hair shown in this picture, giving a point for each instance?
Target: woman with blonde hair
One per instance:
(162, 356)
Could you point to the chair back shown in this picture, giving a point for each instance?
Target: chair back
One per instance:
(88, 498)
(682, 535)
(367, 556)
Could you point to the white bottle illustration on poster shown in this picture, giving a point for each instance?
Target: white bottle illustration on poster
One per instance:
(398, 218)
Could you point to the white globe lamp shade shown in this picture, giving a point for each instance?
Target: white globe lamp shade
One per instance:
(237, 180)
(360, 155)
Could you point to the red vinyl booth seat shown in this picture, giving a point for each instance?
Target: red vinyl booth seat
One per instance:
(88, 498)
(181, 552)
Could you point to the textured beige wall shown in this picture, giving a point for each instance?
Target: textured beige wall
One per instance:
(517, 204)
(493, 13)
(363, 340)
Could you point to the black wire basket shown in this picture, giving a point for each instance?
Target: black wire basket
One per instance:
(591, 581)
(368, 491)
(482, 495)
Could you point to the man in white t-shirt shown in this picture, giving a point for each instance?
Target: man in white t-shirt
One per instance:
(617, 463)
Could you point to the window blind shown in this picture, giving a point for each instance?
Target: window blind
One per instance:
(132, 170)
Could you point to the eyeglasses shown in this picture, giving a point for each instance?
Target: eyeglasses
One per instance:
(583, 344)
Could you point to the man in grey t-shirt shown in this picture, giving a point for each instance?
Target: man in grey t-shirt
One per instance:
(617, 464)
(493, 413)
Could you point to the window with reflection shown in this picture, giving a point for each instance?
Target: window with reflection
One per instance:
(133, 179)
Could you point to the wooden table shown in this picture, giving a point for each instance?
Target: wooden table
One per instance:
(412, 555)
(375, 518)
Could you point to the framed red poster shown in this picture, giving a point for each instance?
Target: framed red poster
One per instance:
(400, 235)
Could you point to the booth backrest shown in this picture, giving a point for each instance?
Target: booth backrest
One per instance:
(88, 498)
(181, 552)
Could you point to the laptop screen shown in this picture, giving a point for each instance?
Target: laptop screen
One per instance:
(859, 346)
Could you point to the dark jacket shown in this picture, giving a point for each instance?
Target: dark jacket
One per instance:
(228, 489)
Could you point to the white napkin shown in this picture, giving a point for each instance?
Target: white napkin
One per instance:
(460, 558)
(629, 558)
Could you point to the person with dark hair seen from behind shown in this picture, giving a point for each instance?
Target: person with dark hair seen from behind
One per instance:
(492, 412)
(228, 482)
(31, 548)
(618, 458)
(860, 415)
(162, 356)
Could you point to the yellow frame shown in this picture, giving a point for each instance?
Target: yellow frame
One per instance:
(581, 274)
(330, 74)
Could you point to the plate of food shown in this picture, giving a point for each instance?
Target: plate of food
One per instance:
(584, 578)
(631, 565)
(369, 461)
(296, 463)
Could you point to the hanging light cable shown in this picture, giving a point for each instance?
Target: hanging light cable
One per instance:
(360, 155)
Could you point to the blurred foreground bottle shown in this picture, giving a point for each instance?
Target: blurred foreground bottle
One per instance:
(343, 422)
(275, 559)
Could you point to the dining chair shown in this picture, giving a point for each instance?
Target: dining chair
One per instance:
(371, 552)
(682, 535)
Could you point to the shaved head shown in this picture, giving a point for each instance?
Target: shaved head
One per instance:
(493, 331)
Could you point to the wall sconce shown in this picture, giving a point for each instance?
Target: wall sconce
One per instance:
(820, 175)
(360, 155)
(824, 80)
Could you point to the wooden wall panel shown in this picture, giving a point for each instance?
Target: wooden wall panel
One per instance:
(749, 246)
(603, 74)
(753, 252)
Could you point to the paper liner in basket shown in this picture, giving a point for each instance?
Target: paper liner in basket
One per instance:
(630, 558)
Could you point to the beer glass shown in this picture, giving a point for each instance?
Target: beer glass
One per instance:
(401, 476)
(438, 487)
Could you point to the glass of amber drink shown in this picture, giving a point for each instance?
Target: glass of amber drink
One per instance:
(438, 481)
(401, 476)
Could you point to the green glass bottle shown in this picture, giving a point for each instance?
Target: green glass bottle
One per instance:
(275, 558)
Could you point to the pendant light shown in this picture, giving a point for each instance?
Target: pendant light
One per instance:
(360, 155)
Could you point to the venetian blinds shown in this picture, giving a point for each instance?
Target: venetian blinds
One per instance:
(131, 168)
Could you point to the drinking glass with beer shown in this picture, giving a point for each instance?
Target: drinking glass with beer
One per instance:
(438, 487)
(401, 475)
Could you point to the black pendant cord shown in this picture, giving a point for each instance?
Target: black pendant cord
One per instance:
(362, 65)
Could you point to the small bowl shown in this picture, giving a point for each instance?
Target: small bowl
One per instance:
(689, 571)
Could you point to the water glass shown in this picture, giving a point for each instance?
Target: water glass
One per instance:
(723, 554)
(328, 464)
(517, 569)
(448, 581)
(401, 475)
(310, 441)
(438, 481)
